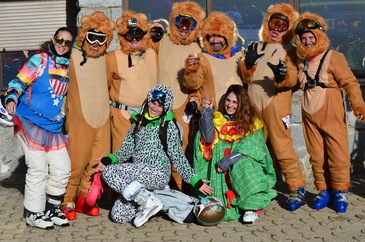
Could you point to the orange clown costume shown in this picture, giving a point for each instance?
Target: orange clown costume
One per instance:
(131, 72)
(172, 52)
(322, 74)
(87, 109)
(216, 70)
(273, 96)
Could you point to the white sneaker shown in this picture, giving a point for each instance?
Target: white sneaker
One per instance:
(58, 217)
(250, 217)
(149, 206)
(39, 220)
(6, 120)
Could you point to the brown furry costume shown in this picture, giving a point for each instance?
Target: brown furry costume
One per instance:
(129, 85)
(323, 114)
(172, 53)
(275, 99)
(214, 75)
(87, 106)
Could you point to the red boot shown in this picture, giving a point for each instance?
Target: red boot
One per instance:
(83, 207)
(68, 208)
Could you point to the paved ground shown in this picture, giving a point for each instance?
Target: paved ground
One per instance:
(275, 224)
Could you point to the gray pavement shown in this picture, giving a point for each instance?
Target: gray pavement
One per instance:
(275, 224)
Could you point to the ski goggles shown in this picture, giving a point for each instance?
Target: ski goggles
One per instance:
(307, 24)
(136, 34)
(278, 22)
(93, 37)
(184, 20)
(158, 96)
(60, 41)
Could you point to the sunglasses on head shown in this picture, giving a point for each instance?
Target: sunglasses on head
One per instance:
(137, 34)
(60, 41)
(184, 20)
(158, 96)
(93, 37)
(278, 22)
(307, 24)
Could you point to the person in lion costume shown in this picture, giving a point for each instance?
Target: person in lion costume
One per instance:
(87, 110)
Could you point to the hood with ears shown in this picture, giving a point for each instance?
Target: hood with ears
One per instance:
(190, 8)
(99, 22)
(322, 41)
(218, 23)
(169, 99)
(288, 11)
(122, 28)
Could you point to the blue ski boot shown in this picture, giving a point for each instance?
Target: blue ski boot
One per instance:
(296, 199)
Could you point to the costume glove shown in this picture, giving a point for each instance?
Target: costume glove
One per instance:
(226, 162)
(251, 56)
(279, 70)
(206, 125)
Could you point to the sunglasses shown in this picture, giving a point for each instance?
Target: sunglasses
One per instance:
(278, 24)
(307, 24)
(184, 20)
(158, 96)
(93, 37)
(60, 41)
(134, 34)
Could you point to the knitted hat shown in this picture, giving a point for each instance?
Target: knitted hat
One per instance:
(168, 99)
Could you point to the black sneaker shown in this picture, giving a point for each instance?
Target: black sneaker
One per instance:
(58, 217)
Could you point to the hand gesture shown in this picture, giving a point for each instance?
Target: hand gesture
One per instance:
(251, 56)
(279, 70)
(11, 108)
(99, 167)
(193, 59)
(206, 189)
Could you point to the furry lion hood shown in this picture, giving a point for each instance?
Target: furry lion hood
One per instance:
(218, 23)
(99, 22)
(322, 41)
(190, 8)
(284, 9)
(122, 28)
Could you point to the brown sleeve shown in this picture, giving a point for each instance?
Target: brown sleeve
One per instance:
(194, 76)
(346, 79)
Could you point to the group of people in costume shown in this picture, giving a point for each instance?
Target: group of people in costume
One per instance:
(140, 145)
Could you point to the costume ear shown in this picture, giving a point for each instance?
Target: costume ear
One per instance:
(111, 24)
(85, 19)
(142, 16)
(175, 6)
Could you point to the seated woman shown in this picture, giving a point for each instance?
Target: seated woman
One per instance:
(230, 151)
(150, 168)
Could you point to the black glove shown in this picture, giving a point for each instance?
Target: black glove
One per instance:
(226, 162)
(279, 70)
(106, 160)
(251, 55)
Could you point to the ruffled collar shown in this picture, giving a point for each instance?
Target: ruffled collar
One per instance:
(227, 130)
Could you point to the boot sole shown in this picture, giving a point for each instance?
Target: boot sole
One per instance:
(34, 226)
